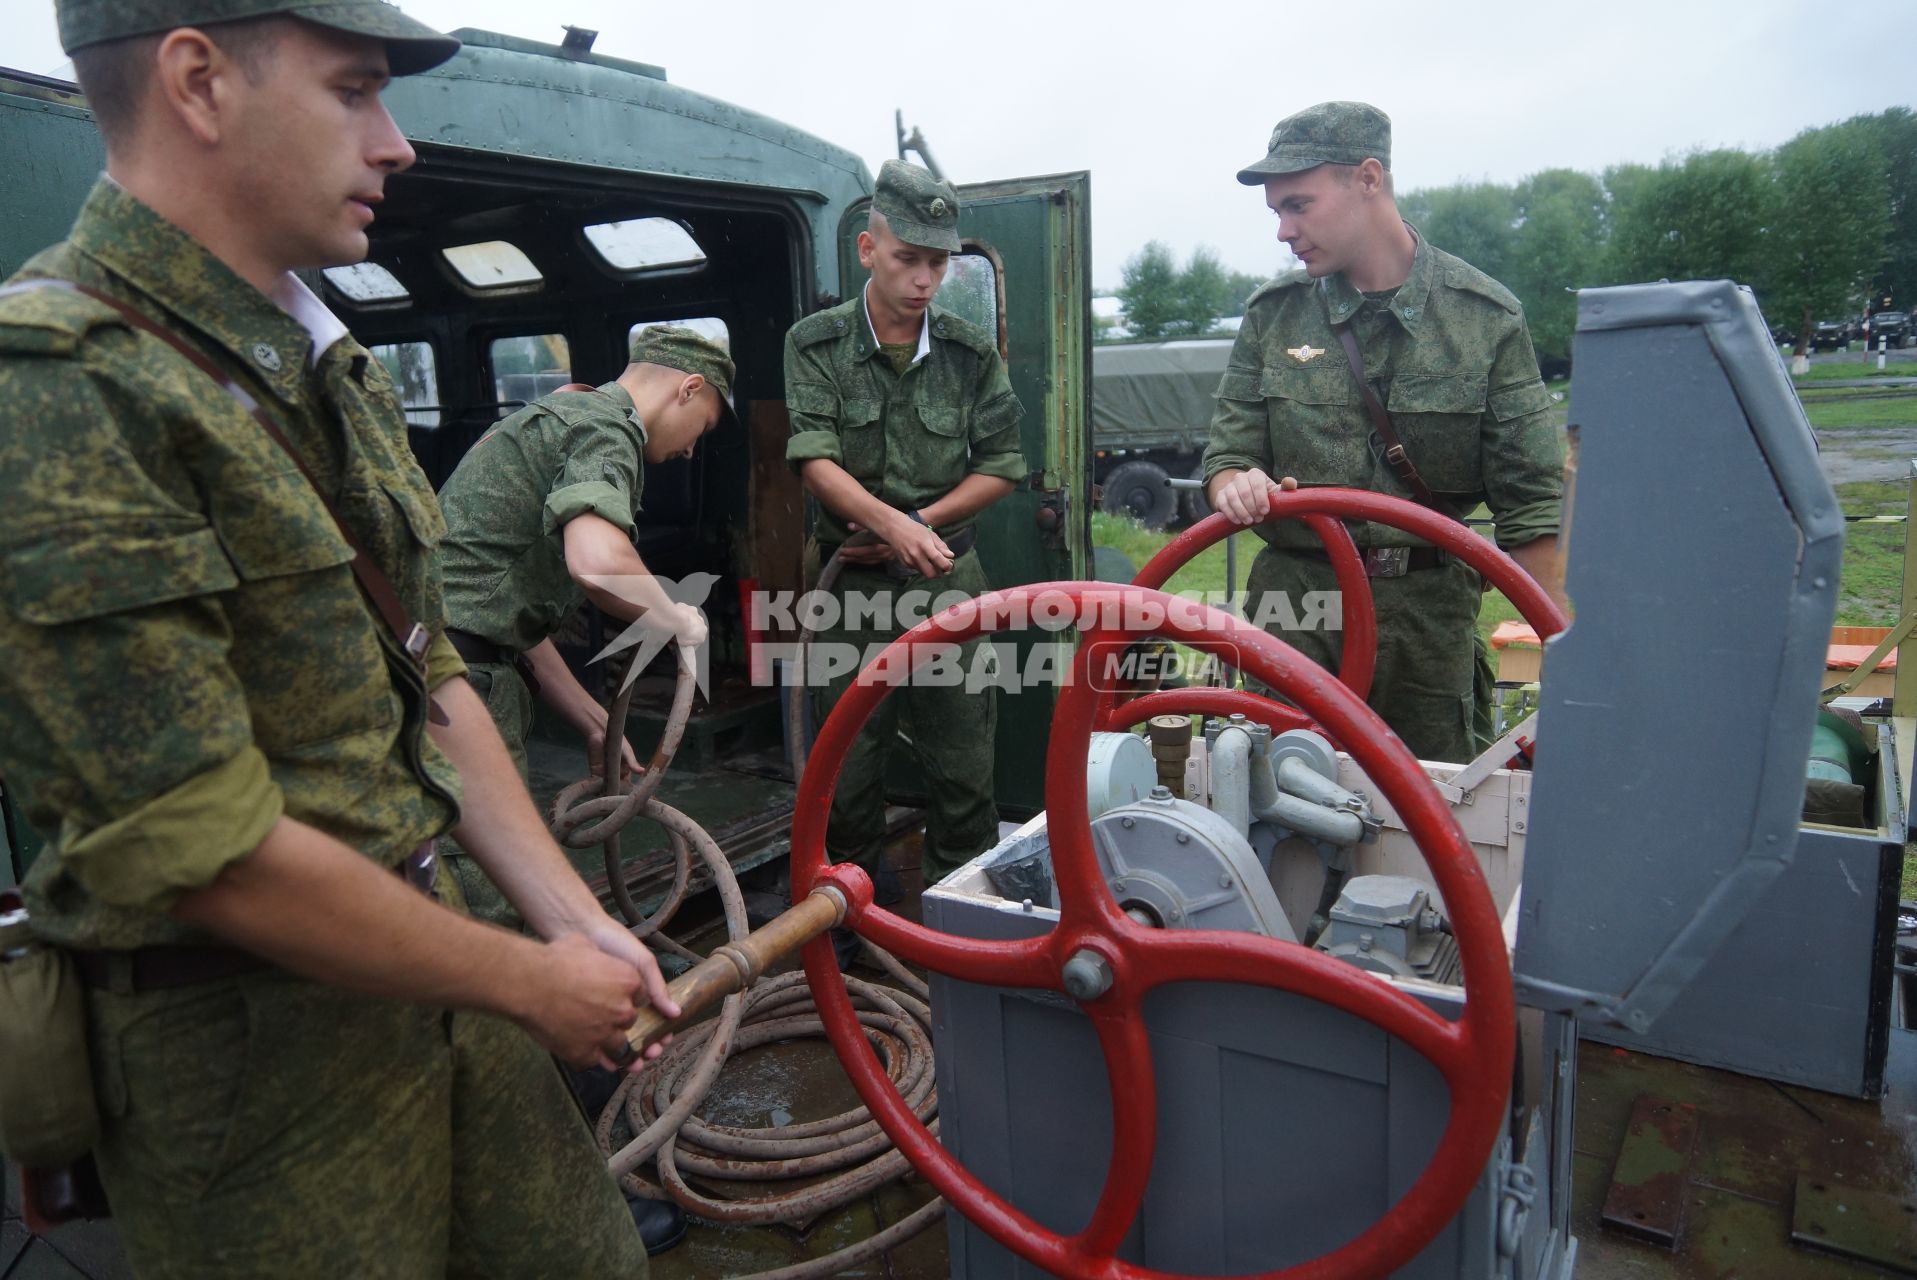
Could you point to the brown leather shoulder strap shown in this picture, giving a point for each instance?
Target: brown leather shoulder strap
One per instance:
(412, 637)
(1394, 455)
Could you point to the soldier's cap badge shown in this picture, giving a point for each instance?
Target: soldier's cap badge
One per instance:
(1304, 353)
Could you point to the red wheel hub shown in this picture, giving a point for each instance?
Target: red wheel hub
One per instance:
(1474, 1054)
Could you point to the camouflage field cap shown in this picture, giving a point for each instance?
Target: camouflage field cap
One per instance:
(688, 351)
(411, 46)
(1329, 133)
(921, 209)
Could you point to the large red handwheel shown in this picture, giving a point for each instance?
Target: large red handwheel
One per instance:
(1474, 1054)
(1317, 508)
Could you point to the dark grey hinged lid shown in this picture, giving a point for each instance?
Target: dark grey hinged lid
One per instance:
(1677, 711)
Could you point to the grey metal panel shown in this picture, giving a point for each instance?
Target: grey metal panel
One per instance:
(1704, 553)
(1789, 996)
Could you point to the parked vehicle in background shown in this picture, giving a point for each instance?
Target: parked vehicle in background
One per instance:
(1151, 414)
(1891, 325)
(1829, 335)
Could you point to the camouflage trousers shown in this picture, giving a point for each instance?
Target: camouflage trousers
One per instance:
(509, 702)
(950, 732)
(1426, 683)
(267, 1125)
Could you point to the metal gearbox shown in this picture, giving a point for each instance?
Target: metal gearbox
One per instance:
(1186, 867)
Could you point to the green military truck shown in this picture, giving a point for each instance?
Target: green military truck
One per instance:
(1151, 413)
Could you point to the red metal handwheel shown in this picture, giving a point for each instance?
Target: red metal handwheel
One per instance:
(1474, 1054)
(1325, 510)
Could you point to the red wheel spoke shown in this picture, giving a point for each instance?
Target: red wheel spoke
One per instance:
(1360, 616)
(1025, 963)
(1287, 966)
(1128, 1064)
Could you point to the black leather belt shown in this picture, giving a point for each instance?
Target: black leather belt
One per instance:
(1385, 562)
(160, 968)
(479, 649)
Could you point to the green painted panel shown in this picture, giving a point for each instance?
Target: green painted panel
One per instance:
(51, 154)
(1037, 234)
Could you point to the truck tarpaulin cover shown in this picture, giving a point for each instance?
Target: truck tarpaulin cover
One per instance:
(1160, 387)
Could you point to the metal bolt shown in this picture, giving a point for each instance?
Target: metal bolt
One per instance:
(1184, 837)
(1129, 823)
(1224, 882)
(1087, 976)
(1161, 793)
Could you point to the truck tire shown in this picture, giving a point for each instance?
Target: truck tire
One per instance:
(1193, 502)
(1138, 490)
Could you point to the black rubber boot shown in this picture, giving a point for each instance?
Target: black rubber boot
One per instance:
(661, 1223)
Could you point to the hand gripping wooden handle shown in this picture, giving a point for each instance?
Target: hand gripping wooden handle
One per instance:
(737, 965)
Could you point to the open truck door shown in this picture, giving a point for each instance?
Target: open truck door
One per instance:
(1024, 273)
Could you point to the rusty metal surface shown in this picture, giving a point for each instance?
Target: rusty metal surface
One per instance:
(1754, 1139)
(1646, 1198)
(1867, 1225)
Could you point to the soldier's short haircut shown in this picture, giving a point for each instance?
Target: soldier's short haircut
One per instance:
(1347, 173)
(877, 223)
(114, 75)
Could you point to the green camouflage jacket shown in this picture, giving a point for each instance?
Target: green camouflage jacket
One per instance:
(908, 439)
(1450, 358)
(507, 505)
(187, 652)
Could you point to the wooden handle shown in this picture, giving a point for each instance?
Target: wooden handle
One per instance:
(737, 965)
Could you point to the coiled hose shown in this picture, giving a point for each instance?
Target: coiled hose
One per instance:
(659, 1102)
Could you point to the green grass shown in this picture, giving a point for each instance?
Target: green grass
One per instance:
(1838, 370)
(1831, 411)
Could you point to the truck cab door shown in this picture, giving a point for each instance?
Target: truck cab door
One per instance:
(1023, 273)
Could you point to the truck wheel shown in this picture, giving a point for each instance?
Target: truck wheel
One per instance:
(1138, 490)
(1193, 502)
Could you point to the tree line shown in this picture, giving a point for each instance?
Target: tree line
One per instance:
(1822, 227)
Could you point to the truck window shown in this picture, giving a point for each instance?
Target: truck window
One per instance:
(492, 264)
(416, 373)
(525, 368)
(971, 291)
(366, 282)
(645, 244)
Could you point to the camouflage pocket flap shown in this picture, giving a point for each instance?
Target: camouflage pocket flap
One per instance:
(1436, 393)
(942, 420)
(1329, 385)
(71, 575)
(1514, 402)
(422, 512)
(857, 413)
(812, 397)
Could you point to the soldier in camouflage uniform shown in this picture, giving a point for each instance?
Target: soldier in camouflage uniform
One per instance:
(304, 1064)
(1446, 349)
(540, 517)
(904, 423)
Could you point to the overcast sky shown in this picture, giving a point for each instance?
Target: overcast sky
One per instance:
(1163, 103)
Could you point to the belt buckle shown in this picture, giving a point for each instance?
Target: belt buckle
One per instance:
(1387, 562)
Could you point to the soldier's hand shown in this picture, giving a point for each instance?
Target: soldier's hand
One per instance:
(596, 757)
(581, 1000)
(617, 941)
(688, 626)
(920, 547)
(867, 553)
(1246, 498)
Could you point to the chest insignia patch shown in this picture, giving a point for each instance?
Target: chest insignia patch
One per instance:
(268, 358)
(1305, 353)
